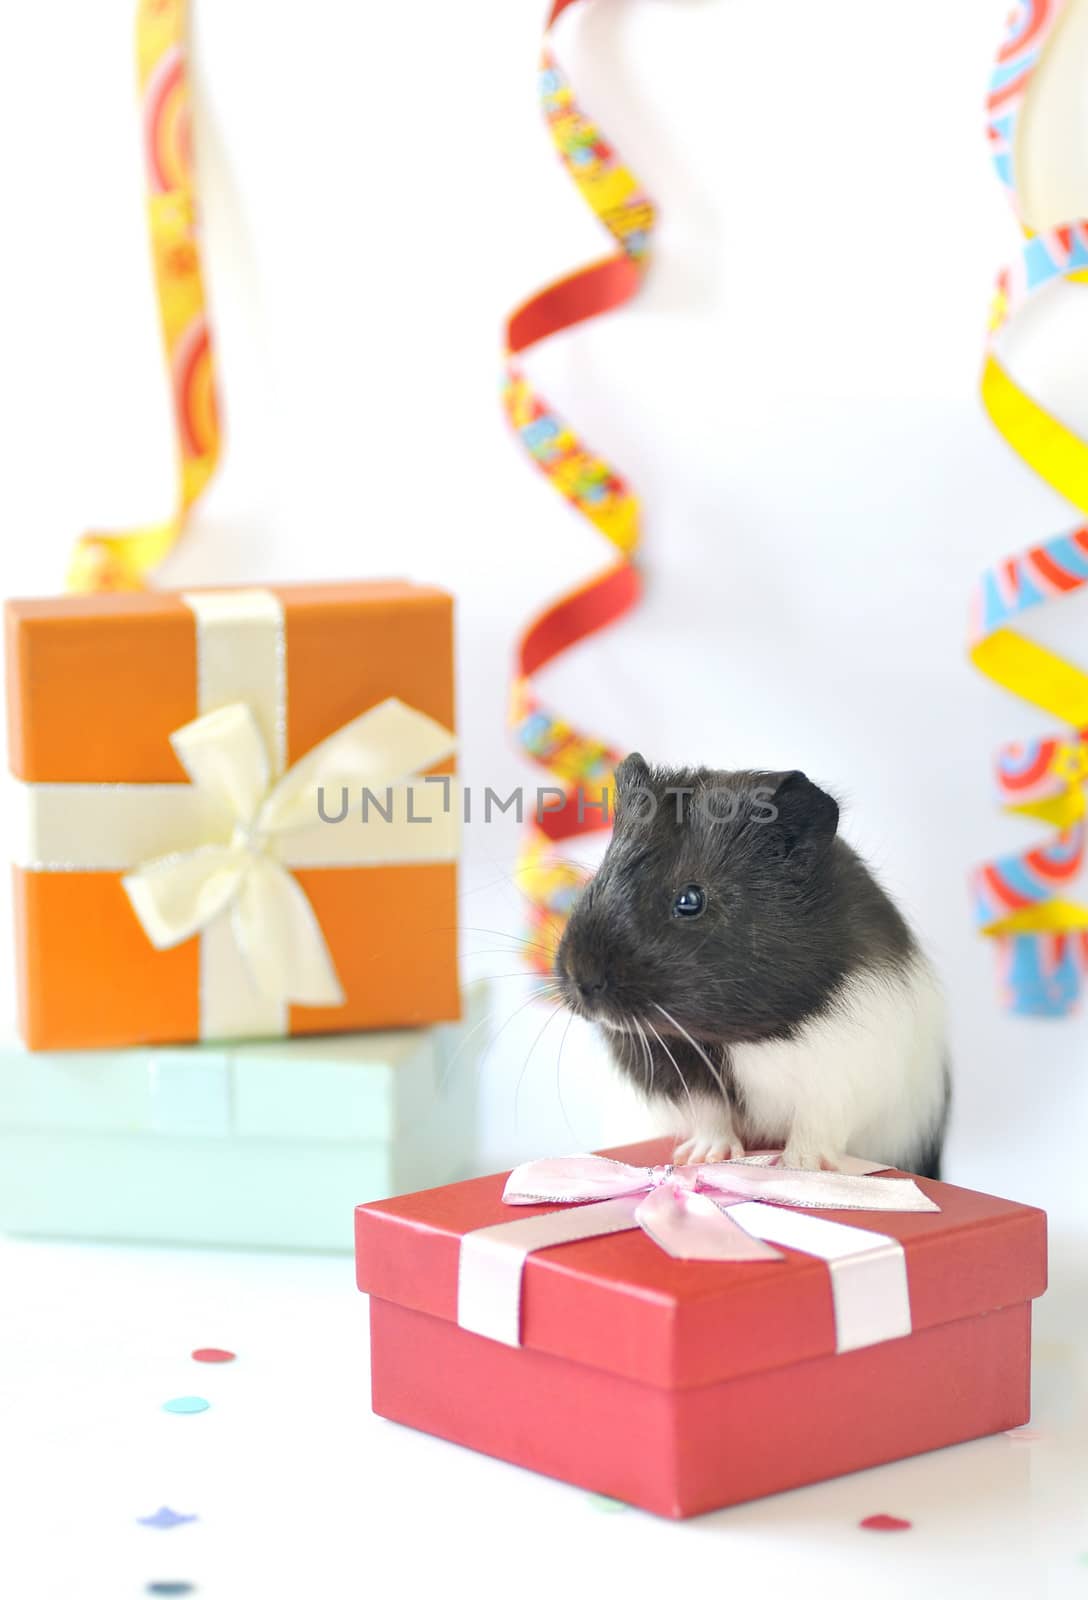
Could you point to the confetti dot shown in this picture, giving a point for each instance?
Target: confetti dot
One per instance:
(186, 1403)
(165, 1518)
(170, 1586)
(882, 1523)
(210, 1353)
(603, 1502)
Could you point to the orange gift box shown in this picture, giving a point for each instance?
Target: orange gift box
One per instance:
(238, 814)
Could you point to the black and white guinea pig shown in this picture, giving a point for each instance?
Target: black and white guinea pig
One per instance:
(748, 969)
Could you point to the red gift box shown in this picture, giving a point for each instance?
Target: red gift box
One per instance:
(683, 1386)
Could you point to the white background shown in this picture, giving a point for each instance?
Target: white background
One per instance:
(794, 396)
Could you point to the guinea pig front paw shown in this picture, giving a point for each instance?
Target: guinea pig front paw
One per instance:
(725, 1147)
(810, 1158)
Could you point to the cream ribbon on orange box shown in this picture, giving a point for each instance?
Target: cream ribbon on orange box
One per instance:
(714, 1211)
(213, 858)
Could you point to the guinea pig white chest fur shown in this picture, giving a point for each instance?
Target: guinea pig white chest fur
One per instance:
(865, 1079)
(748, 970)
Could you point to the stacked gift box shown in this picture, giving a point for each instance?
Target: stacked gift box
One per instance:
(262, 1143)
(235, 898)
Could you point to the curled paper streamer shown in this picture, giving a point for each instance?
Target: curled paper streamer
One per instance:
(125, 560)
(579, 765)
(1042, 936)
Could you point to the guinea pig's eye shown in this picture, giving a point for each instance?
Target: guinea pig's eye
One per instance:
(690, 901)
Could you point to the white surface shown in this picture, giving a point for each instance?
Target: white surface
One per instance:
(300, 1491)
(794, 395)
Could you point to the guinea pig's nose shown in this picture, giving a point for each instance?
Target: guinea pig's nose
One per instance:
(589, 989)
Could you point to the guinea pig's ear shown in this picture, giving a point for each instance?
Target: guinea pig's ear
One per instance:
(804, 818)
(632, 778)
(632, 773)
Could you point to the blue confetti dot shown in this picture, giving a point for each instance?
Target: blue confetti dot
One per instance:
(186, 1403)
(170, 1586)
(165, 1518)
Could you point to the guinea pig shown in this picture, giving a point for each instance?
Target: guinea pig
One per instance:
(747, 969)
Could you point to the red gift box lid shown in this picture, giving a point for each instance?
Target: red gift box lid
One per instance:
(622, 1304)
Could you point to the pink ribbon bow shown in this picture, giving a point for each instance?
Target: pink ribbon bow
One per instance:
(688, 1210)
(720, 1211)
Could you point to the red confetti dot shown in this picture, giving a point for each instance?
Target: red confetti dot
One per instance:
(882, 1523)
(213, 1355)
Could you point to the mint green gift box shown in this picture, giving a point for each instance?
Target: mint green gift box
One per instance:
(269, 1144)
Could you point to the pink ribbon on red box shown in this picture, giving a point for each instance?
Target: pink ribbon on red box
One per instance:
(716, 1211)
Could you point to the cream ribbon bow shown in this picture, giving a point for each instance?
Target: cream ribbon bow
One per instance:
(257, 829)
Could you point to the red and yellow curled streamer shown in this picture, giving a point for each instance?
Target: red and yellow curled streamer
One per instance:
(580, 766)
(1023, 899)
(125, 560)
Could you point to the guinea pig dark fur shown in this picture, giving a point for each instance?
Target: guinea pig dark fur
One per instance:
(748, 970)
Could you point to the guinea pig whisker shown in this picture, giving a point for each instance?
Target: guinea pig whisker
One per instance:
(647, 1055)
(533, 998)
(456, 1056)
(495, 977)
(545, 1025)
(679, 1026)
(501, 950)
(558, 1081)
(613, 1024)
(650, 1076)
(676, 1069)
(636, 1035)
(501, 933)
